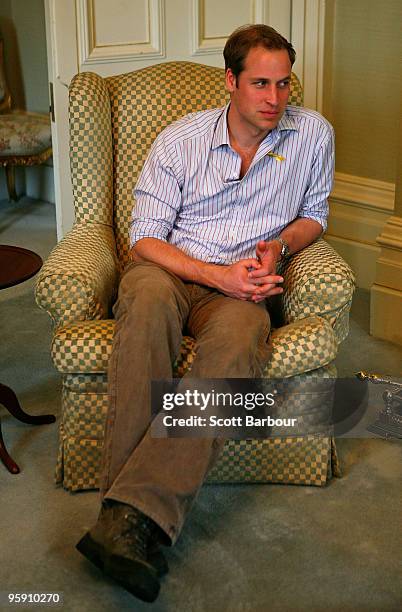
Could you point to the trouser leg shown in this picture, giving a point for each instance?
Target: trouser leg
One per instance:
(232, 337)
(150, 312)
(163, 476)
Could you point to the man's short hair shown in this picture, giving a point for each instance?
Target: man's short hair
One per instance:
(247, 37)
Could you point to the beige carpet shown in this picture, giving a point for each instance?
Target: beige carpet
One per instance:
(244, 548)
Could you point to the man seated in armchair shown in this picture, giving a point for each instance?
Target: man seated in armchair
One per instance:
(223, 195)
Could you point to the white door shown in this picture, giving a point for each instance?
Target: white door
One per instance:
(116, 37)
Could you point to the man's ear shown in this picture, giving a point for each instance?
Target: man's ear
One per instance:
(230, 80)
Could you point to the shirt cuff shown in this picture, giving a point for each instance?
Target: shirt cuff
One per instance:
(147, 229)
(321, 220)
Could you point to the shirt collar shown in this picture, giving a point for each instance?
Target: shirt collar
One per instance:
(221, 135)
(287, 121)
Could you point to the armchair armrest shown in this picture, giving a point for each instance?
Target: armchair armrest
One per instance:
(317, 281)
(79, 280)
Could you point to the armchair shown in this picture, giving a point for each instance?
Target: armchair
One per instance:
(113, 122)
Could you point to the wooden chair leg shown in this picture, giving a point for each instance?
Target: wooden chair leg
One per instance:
(10, 175)
(9, 400)
(5, 457)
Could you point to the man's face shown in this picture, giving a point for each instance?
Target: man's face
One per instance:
(259, 94)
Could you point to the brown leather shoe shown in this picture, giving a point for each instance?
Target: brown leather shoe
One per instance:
(120, 544)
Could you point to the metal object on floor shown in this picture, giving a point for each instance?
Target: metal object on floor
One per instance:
(389, 422)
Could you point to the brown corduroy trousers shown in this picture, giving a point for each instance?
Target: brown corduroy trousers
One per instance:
(162, 476)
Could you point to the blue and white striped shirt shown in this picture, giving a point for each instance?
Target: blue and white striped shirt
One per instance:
(190, 195)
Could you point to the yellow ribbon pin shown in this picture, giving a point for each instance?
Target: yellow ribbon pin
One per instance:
(278, 158)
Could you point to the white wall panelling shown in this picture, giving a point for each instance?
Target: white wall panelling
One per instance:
(63, 35)
(125, 30)
(212, 22)
(369, 193)
(62, 61)
(307, 35)
(277, 14)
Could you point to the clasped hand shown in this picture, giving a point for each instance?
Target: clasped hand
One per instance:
(254, 279)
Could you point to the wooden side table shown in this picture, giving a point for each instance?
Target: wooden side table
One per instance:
(16, 266)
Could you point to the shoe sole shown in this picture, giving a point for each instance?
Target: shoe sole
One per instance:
(136, 577)
(95, 553)
(157, 559)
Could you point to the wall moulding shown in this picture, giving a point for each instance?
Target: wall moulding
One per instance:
(91, 51)
(389, 263)
(391, 235)
(385, 312)
(203, 43)
(364, 192)
(359, 210)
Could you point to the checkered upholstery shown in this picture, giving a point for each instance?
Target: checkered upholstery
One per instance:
(310, 460)
(84, 347)
(318, 280)
(133, 100)
(91, 159)
(79, 280)
(113, 122)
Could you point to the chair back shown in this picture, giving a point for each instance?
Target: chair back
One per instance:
(142, 103)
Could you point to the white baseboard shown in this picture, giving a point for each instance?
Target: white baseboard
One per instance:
(19, 182)
(34, 181)
(40, 183)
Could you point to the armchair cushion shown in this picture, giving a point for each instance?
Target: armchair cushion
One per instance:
(85, 347)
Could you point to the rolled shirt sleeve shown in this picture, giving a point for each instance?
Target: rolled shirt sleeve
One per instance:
(315, 201)
(157, 194)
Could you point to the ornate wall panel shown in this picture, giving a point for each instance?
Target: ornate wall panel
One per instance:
(122, 30)
(213, 21)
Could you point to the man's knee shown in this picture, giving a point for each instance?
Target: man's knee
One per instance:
(235, 322)
(151, 291)
(231, 345)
